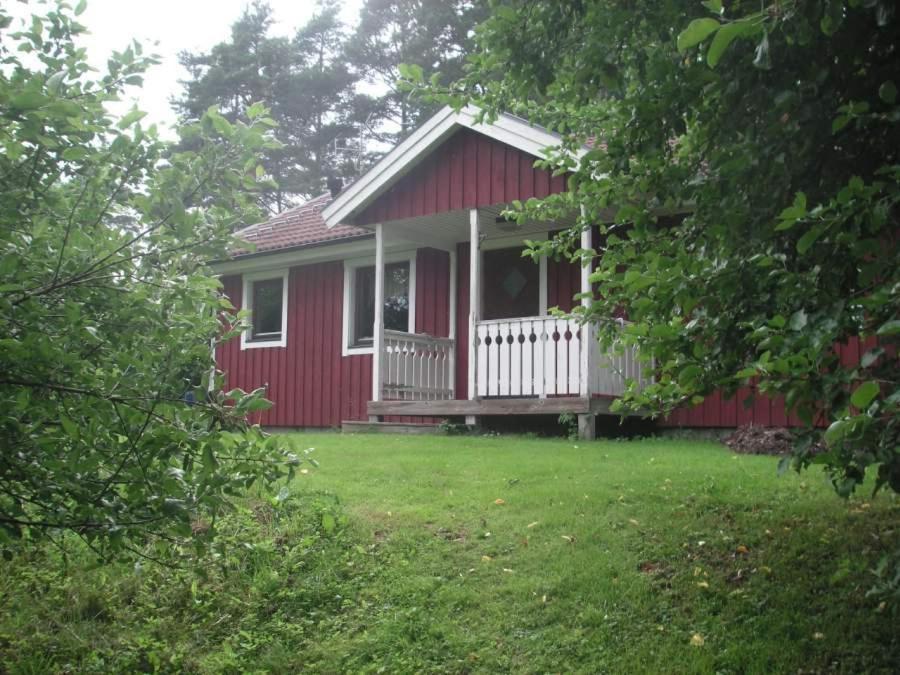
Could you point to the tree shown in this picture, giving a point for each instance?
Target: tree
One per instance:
(303, 80)
(431, 35)
(773, 137)
(114, 425)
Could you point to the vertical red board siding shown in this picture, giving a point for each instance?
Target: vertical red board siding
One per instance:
(467, 170)
(309, 382)
(718, 411)
(432, 292)
(563, 283)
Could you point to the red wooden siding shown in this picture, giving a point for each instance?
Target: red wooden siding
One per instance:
(466, 171)
(717, 411)
(433, 292)
(309, 381)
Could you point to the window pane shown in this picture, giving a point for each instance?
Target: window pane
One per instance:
(364, 304)
(511, 285)
(396, 296)
(266, 311)
(396, 300)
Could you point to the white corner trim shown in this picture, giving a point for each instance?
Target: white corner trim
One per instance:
(350, 266)
(507, 129)
(247, 303)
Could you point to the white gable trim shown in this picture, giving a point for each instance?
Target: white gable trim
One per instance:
(506, 129)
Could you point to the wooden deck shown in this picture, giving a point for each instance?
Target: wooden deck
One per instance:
(487, 406)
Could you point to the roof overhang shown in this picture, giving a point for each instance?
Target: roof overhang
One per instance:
(508, 129)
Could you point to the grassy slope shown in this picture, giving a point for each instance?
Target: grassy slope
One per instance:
(607, 556)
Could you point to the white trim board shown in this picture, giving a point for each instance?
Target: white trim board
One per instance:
(247, 304)
(507, 129)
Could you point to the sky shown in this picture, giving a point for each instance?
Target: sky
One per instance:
(167, 27)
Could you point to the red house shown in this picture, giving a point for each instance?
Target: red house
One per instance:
(405, 298)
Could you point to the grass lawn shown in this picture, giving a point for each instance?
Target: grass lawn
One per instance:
(510, 554)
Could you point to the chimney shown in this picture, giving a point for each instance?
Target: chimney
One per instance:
(334, 185)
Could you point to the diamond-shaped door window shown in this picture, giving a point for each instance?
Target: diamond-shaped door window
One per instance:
(514, 282)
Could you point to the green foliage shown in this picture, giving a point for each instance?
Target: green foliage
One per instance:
(745, 172)
(114, 426)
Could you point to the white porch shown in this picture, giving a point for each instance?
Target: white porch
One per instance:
(528, 364)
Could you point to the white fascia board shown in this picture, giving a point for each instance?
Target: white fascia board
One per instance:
(506, 129)
(302, 256)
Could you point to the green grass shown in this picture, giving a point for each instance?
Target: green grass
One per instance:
(396, 557)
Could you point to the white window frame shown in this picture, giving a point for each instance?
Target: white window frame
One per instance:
(247, 295)
(350, 267)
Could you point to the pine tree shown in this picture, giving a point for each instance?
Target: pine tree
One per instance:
(432, 34)
(301, 79)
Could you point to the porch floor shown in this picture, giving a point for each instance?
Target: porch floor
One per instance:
(492, 406)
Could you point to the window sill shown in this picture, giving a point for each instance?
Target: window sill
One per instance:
(354, 351)
(260, 344)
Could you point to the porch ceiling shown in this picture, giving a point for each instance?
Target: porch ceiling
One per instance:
(452, 227)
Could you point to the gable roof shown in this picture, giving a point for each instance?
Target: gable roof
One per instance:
(300, 226)
(509, 129)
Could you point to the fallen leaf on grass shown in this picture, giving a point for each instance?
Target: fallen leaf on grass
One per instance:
(703, 584)
(633, 521)
(499, 502)
(507, 570)
(570, 539)
(486, 558)
(818, 636)
(532, 524)
(743, 550)
(697, 640)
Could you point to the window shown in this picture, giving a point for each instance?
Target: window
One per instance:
(359, 311)
(266, 300)
(511, 285)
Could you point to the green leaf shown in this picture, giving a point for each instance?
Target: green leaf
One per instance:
(696, 32)
(328, 523)
(890, 328)
(865, 394)
(130, 118)
(723, 38)
(80, 7)
(75, 154)
(887, 92)
(798, 320)
(807, 240)
(714, 6)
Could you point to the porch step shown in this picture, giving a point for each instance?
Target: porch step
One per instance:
(354, 427)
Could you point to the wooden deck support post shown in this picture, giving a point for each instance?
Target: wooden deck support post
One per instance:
(378, 328)
(474, 305)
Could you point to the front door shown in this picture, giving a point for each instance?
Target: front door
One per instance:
(511, 285)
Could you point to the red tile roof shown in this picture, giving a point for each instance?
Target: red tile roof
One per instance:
(299, 226)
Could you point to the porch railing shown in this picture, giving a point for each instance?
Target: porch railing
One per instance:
(417, 367)
(533, 356)
(610, 370)
(541, 356)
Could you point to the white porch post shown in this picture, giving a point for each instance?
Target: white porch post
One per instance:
(586, 427)
(474, 302)
(378, 328)
(451, 329)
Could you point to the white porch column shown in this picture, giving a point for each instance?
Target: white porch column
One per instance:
(451, 330)
(587, 342)
(586, 423)
(378, 328)
(474, 300)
